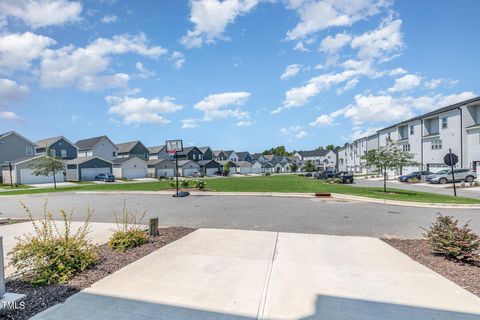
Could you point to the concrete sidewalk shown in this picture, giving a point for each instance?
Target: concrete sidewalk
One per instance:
(230, 274)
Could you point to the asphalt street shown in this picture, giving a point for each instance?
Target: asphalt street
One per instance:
(301, 215)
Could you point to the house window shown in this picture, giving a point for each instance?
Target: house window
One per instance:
(29, 151)
(412, 130)
(64, 153)
(194, 156)
(145, 155)
(406, 147)
(114, 154)
(436, 144)
(54, 153)
(444, 123)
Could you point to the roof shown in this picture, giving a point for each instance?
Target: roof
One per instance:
(154, 162)
(184, 162)
(81, 160)
(89, 143)
(228, 152)
(232, 164)
(156, 149)
(126, 147)
(205, 162)
(186, 151)
(122, 160)
(203, 149)
(217, 152)
(242, 154)
(23, 159)
(314, 153)
(243, 164)
(6, 134)
(45, 143)
(293, 158)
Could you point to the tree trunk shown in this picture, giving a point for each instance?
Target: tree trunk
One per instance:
(385, 179)
(54, 178)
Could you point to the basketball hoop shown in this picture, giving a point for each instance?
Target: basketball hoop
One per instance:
(171, 152)
(174, 146)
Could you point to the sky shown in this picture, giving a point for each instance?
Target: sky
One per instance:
(232, 74)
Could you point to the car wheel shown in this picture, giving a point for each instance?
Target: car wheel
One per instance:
(348, 181)
(469, 179)
(442, 181)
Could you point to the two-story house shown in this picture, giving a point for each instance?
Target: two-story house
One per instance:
(101, 147)
(158, 152)
(14, 146)
(190, 153)
(59, 147)
(207, 153)
(244, 156)
(231, 155)
(219, 155)
(133, 149)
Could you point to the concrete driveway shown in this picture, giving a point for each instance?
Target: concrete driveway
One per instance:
(231, 274)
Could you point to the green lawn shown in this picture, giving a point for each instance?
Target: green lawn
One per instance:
(286, 183)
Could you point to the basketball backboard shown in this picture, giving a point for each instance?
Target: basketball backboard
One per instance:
(174, 145)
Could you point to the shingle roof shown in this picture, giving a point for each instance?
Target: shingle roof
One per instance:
(157, 161)
(47, 142)
(81, 160)
(23, 159)
(156, 149)
(89, 143)
(122, 160)
(185, 151)
(126, 147)
(183, 162)
(205, 162)
(314, 153)
(243, 164)
(232, 164)
(203, 149)
(5, 134)
(228, 152)
(217, 152)
(242, 154)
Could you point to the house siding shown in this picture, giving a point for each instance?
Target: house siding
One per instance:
(14, 147)
(57, 147)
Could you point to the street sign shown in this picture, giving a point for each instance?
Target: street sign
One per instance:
(453, 157)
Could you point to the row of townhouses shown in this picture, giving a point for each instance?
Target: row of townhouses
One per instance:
(427, 137)
(87, 158)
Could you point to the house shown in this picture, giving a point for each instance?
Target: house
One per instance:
(207, 153)
(131, 167)
(14, 146)
(231, 155)
(342, 159)
(22, 172)
(268, 167)
(187, 168)
(209, 167)
(101, 147)
(257, 167)
(232, 166)
(59, 147)
(190, 153)
(244, 156)
(471, 146)
(244, 167)
(133, 149)
(285, 167)
(269, 158)
(322, 159)
(158, 152)
(219, 155)
(87, 168)
(158, 168)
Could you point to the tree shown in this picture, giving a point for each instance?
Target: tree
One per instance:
(49, 165)
(278, 151)
(309, 167)
(294, 167)
(387, 157)
(319, 148)
(226, 168)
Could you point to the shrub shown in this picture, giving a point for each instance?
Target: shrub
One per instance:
(452, 241)
(52, 255)
(172, 183)
(200, 184)
(267, 173)
(185, 183)
(129, 233)
(414, 180)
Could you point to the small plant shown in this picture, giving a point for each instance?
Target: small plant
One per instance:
(414, 180)
(171, 182)
(267, 173)
(185, 183)
(53, 255)
(129, 233)
(452, 241)
(200, 184)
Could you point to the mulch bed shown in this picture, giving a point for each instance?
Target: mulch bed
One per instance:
(465, 275)
(40, 298)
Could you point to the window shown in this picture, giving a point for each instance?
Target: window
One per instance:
(406, 147)
(436, 144)
(145, 155)
(114, 154)
(444, 123)
(64, 153)
(194, 156)
(54, 152)
(412, 130)
(29, 151)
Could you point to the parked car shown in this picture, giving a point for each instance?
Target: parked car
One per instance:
(414, 175)
(197, 174)
(444, 176)
(107, 177)
(346, 177)
(325, 174)
(308, 174)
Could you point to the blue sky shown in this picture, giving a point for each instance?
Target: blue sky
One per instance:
(234, 74)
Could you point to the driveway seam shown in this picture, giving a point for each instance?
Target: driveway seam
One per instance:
(263, 299)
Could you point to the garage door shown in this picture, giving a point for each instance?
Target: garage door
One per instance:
(189, 171)
(165, 172)
(134, 173)
(88, 174)
(27, 177)
(212, 171)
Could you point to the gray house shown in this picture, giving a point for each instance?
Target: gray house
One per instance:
(133, 149)
(190, 153)
(209, 167)
(158, 152)
(22, 172)
(101, 147)
(161, 168)
(207, 153)
(219, 155)
(86, 168)
(244, 156)
(14, 146)
(59, 146)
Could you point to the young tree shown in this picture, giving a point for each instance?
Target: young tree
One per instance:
(49, 165)
(294, 167)
(388, 157)
(331, 147)
(226, 168)
(309, 167)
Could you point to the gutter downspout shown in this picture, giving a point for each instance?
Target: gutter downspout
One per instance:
(461, 136)
(421, 142)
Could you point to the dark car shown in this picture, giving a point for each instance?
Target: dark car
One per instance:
(325, 174)
(346, 177)
(107, 177)
(414, 175)
(308, 174)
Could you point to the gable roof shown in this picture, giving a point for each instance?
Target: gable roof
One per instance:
(186, 151)
(204, 149)
(243, 164)
(218, 152)
(156, 149)
(23, 159)
(229, 152)
(45, 143)
(205, 162)
(90, 143)
(122, 160)
(81, 160)
(126, 147)
(314, 153)
(181, 163)
(242, 154)
(6, 134)
(154, 162)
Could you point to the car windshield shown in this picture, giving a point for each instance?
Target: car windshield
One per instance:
(442, 172)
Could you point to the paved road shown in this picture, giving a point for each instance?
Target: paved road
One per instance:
(301, 215)
(418, 187)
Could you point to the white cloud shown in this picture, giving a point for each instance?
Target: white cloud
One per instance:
(223, 105)
(178, 59)
(11, 90)
(109, 18)
(407, 82)
(322, 120)
(359, 133)
(397, 72)
(142, 110)
(10, 116)
(189, 123)
(322, 14)
(434, 83)
(143, 73)
(331, 45)
(42, 13)
(83, 67)
(349, 86)
(18, 50)
(211, 18)
(382, 43)
(297, 132)
(244, 123)
(291, 71)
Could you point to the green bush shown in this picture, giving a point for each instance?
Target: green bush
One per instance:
(185, 183)
(450, 240)
(130, 233)
(200, 184)
(52, 255)
(414, 180)
(172, 183)
(267, 173)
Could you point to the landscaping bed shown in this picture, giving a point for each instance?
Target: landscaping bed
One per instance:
(465, 275)
(40, 298)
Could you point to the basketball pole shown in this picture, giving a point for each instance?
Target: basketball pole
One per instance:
(176, 168)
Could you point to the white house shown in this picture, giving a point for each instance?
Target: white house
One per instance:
(161, 168)
(323, 159)
(244, 167)
(101, 147)
(130, 168)
(22, 172)
(257, 167)
(231, 155)
(188, 167)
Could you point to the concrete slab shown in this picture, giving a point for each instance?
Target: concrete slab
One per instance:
(51, 185)
(227, 274)
(99, 234)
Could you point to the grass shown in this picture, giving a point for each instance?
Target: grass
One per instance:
(280, 183)
(22, 186)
